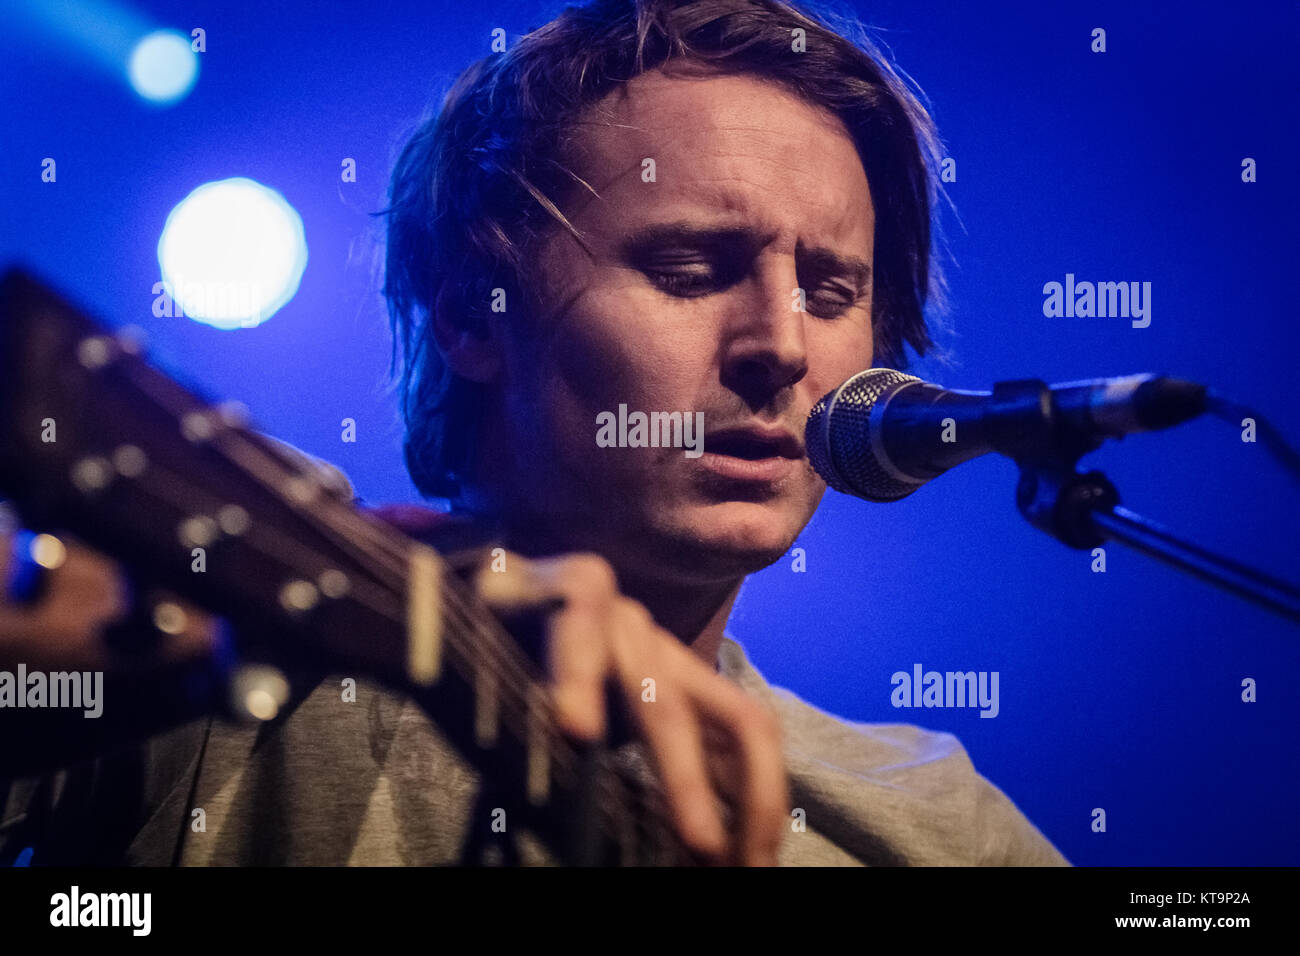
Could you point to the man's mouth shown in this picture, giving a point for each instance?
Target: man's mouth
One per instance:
(754, 443)
(754, 453)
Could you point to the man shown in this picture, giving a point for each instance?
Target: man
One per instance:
(718, 210)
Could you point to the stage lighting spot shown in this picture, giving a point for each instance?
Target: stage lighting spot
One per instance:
(163, 68)
(232, 253)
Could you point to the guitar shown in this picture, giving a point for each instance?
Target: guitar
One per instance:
(147, 472)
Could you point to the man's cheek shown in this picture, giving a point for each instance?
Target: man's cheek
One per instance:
(597, 373)
(844, 353)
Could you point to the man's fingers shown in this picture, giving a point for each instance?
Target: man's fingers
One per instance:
(752, 745)
(84, 619)
(677, 748)
(516, 587)
(62, 623)
(654, 674)
(578, 662)
(710, 742)
(580, 590)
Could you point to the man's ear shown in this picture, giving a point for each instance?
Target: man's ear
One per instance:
(470, 349)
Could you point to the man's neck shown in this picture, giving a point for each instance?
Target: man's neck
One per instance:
(695, 613)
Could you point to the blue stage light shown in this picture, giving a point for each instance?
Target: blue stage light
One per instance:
(232, 253)
(162, 67)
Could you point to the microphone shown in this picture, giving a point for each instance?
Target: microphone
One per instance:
(883, 434)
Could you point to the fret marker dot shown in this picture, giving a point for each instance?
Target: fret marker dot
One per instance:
(132, 339)
(233, 520)
(333, 583)
(129, 461)
(299, 596)
(91, 474)
(197, 427)
(197, 532)
(93, 352)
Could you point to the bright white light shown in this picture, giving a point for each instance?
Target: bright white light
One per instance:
(162, 67)
(232, 253)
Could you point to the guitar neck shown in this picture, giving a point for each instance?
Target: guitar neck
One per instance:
(96, 441)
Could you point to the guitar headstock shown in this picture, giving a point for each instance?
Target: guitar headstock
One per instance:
(96, 441)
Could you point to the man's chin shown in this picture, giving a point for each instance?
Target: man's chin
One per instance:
(727, 540)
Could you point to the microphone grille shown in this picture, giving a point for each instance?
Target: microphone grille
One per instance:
(841, 421)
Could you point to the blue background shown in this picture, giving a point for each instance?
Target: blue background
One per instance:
(1118, 690)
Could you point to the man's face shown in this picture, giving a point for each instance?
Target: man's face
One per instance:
(688, 303)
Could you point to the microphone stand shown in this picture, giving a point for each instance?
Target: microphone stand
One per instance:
(1082, 510)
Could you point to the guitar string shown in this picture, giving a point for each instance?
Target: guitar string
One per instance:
(498, 656)
(252, 539)
(496, 639)
(663, 837)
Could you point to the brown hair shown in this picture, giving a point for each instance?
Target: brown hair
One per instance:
(480, 182)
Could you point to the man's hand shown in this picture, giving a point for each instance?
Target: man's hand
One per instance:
(84, 594)
(81, 621)
(709, 740)
(711, 743)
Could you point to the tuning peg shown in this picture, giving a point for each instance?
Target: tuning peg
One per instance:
(95, 351)
(258, 691)
(234, 414)
(132, 339)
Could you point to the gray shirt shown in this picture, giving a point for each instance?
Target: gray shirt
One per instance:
(372, 781)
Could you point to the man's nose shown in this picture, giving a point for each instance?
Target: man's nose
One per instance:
(765, 350)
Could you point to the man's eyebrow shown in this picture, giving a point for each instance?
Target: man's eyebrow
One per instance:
(690, 233)
(833, 263)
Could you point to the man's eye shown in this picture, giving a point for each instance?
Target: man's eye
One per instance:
(831, 299)
(683, 283)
